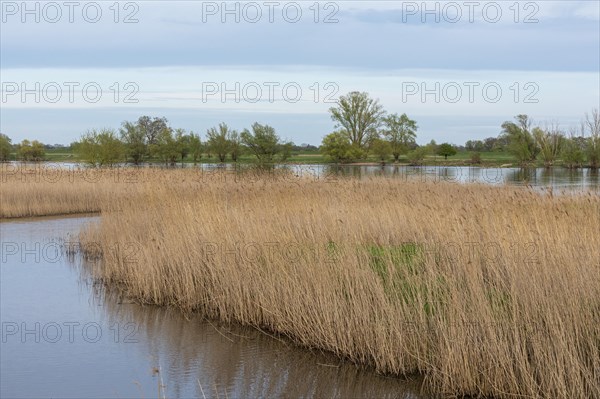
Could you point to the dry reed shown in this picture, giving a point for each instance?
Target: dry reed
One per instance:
(486, 291)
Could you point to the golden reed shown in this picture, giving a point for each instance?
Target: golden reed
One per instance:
(486, 291)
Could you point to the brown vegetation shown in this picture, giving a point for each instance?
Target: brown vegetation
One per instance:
(483, 290)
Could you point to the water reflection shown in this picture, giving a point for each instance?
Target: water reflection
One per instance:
(556, 178)
(234, 361)
(140, 351)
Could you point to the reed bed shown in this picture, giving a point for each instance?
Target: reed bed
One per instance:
(485, 291)
(30, 190)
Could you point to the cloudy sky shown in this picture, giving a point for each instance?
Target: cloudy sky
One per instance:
(459, 68)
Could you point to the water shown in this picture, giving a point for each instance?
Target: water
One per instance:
(557, 178)
(64, 336)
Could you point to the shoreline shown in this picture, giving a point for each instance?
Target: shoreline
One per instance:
(501, 164)
(51, 216)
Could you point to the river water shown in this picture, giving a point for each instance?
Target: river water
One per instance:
(557, 178)
(64, 336)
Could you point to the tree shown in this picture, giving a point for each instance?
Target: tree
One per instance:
(401, 132)
(475, 158)
(573, 151)
(432, 147)
(5, 147)
(101, 148)
(195, 147)
(134, 139)
(592, 125)
(489, 144)
(474, 145)
(152, 127)
(416, 156)
(359, 116)
(265, 144)
(521, 142)
(446, 150)
(336, 146)
(550, 142)
(285, 150)
(182, 142)
(382, 149)
(30, 150)
(218, 141)
(166, 147)
(501, 144)
(235, 145)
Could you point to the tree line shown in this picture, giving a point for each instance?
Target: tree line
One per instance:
(153, 138)
(363, 128)
(26, 150)
(550, 143)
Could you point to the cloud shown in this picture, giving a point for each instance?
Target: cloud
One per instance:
(164, 59)
(369, 35)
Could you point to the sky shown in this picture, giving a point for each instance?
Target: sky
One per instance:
(460, 69)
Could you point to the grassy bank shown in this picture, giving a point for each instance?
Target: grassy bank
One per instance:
(484, 290)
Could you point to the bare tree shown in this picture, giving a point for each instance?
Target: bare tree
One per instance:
(592, 125)
(152, 127)
(550, 141)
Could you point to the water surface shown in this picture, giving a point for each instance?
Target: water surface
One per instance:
(64, 336)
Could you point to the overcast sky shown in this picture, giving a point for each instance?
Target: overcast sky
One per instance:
(459, 68)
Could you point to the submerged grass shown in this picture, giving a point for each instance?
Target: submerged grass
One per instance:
(486, 291)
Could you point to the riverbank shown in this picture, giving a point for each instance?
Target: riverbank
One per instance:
(445, 280)
(462, 158)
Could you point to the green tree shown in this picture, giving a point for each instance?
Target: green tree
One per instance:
(382, 149)
(31, 150)
(401, 132)
(265, 144)
(417, 156)
(235, 145)
(183, 143)
(134, 140)
(521, 141)
(573, 154)
(550, 143)
(336, 146)
(285, 150)
(217, 141)
(359, 115)
(475, 145)
(446, 150)
(431, 147)
(195, 147)
(101, 148)
(5, 147)
(166, 148)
